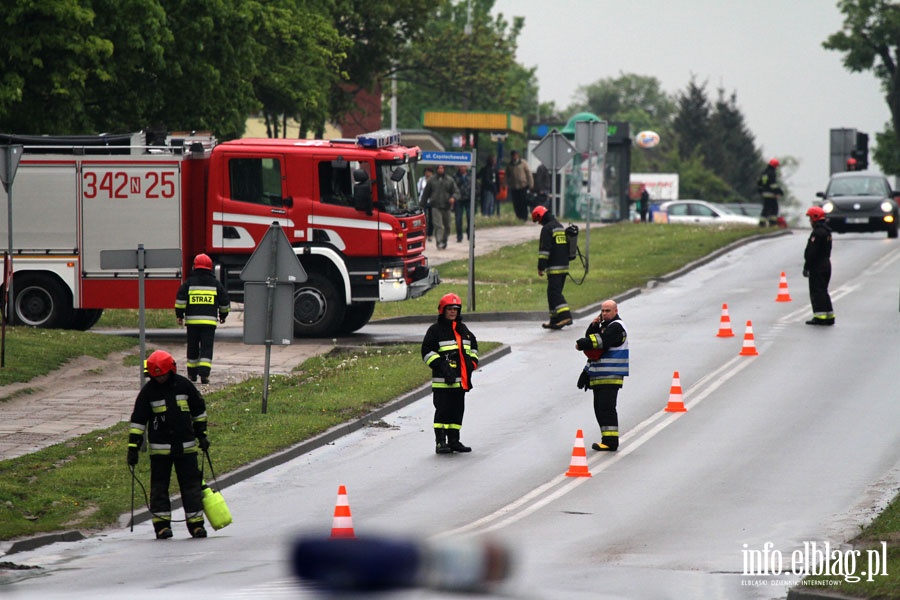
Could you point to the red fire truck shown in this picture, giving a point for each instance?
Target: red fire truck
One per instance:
(359, 241)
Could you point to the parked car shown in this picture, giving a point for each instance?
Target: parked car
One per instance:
(751, 209)
(701, 212)
(858, 201)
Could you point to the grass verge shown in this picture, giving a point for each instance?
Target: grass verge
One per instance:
(621, 257)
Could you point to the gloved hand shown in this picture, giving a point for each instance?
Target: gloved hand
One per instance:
(447, 372)
(584, 381)
(203, 442)
(806, 272)
(132, 457)
(583, 344)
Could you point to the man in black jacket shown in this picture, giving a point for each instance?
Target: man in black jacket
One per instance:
(173, 414)
(201, 302)
(451, 351)
(817, 267)
(553, 259)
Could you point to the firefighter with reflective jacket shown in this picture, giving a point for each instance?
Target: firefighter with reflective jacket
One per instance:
(173, 414)
(817, 267)
(451, 351)
(768, 187)
(553, 259)
(201, 302)
(605, 343)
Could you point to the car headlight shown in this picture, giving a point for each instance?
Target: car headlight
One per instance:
(887, 207)
(828, 206)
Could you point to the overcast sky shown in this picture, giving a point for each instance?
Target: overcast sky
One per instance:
(790, 90)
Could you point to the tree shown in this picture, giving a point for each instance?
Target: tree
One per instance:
(303, 54)
(732, 153)
(451, 69)
(636, 99)
(870, 41)
(49, 50)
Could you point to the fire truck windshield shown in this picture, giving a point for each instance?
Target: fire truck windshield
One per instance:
(397, 189)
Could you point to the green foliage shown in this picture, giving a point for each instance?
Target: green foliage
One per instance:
(887, 150)
(447, 68)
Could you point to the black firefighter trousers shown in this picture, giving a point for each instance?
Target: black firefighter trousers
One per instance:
(559, 308)
(200, 340)
(605, 397)
(189, 482)
(449, 406)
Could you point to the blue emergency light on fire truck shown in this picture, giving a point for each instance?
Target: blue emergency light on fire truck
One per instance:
(348, 206)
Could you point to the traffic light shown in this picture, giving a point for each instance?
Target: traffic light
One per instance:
(861, 151)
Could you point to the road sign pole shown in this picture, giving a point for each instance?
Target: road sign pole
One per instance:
(271, 284)
(141, 322)
(471, 294)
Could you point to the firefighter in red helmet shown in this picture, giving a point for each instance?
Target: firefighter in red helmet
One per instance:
(172, 413)
(451, 351)
(768, 187)
(553, 259)
(202, 302)
(817, 267)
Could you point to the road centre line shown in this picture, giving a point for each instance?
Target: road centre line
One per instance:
(542, 495)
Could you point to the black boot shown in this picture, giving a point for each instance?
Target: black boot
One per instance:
(440, 439)
(454, 443)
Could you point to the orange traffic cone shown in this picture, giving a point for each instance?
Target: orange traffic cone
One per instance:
(342, 525)
(676, 404)
(783, 294)
(578, 467)
(725, 324)
(748, 348)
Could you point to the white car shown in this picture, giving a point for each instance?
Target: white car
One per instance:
(701, 212)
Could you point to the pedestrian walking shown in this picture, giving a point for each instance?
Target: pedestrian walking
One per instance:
(490, 185)
(817, 267)
(201, 302)
(553, 259)
(461, 207)
(519, 181)
(605, 343)
(768, 187)
(644, 204)
(441, 193)
(172, 413)
(451, 351)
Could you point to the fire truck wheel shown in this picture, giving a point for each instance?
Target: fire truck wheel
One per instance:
(356, 316)
(41, 302)
(318, 308)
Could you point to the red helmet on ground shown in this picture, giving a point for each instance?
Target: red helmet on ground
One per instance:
(816, 213)
(774, 162)
(449, 300)
(202, 261)
(160, 363)
(538, 213)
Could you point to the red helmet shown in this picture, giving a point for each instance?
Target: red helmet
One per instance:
(202, 261)
(538, 213)
(447, 301)
(160, 363)
(816, 213)
(774, 162)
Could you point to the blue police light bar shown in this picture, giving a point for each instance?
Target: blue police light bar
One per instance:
(378, 139)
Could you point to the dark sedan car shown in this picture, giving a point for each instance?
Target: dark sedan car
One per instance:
(857, 201)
